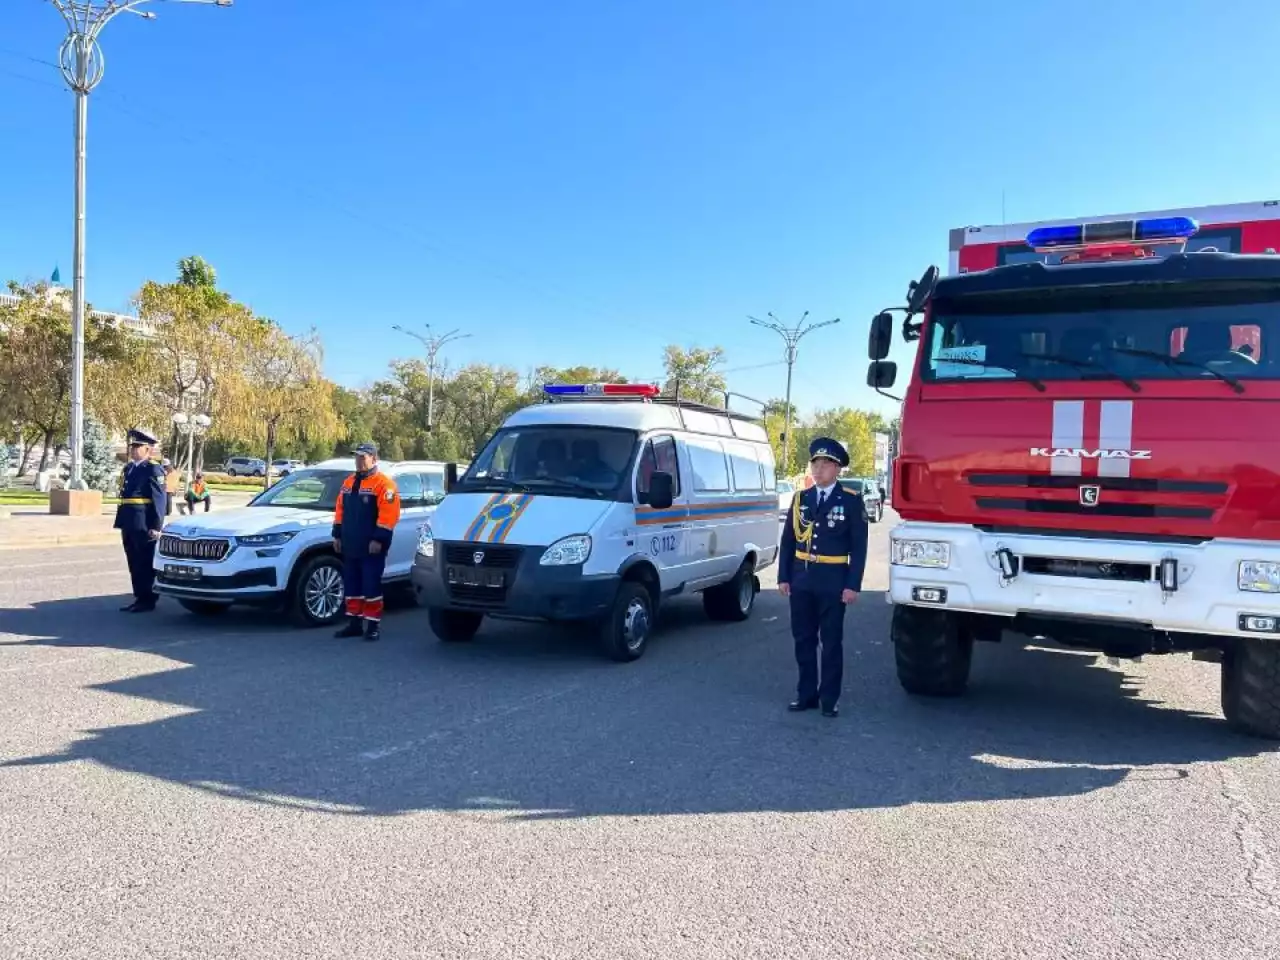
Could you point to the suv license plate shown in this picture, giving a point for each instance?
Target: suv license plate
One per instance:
(182, 572)
(472, 577)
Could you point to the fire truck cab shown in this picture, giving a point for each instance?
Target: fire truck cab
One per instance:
(1087, 455)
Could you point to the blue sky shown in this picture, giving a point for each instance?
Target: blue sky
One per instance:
(584, 181)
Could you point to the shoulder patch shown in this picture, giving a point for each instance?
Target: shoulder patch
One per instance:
(390, 495)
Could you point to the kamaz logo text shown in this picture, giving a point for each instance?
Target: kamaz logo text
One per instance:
(1081, 453)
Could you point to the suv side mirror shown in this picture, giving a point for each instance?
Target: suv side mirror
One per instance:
(450, 476)
(662, 490)
(881, 374)
(880, 336)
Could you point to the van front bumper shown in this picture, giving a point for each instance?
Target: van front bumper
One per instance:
(528, 590)
(1089, 578)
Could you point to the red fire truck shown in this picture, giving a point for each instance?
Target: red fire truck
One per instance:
(1087, 450)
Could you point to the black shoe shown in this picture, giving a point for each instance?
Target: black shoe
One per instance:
(130, 608)
(372, 632)
(354, 628)
(832, 711)
(797, 706)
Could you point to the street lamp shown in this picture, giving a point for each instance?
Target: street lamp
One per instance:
(791, 336)
(433, 345)
(81, 61)
(191, 427)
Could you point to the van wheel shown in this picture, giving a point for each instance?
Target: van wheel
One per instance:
(732, 601)
(624, 633)
(454, 626)
(316, 596)
(1251, 687)
(932, 652)
(204, 608)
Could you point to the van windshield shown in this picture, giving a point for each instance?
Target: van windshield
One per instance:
(559, 460)
(1184, 331)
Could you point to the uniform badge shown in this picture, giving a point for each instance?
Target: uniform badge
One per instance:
(389, 495)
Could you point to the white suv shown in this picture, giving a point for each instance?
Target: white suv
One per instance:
(278, 550)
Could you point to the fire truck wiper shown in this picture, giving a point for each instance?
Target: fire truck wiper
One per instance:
(1080, 364)
(1175, 362)
(1017, 374)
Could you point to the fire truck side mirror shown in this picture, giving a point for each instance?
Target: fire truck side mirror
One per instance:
(881, 374)
(880, 336)
(919, 291)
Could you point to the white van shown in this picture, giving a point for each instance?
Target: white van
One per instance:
(596, 509)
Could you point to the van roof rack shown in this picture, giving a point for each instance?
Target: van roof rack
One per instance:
(661, 398)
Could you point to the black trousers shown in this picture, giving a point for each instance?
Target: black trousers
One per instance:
(140, 553)
(817, 619)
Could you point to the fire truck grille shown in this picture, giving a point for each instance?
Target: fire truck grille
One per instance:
(1075, 499)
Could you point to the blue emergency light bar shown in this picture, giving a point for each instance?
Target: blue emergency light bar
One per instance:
(1154, 230)
(600, 390)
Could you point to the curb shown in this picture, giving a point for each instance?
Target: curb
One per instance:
(104, 539)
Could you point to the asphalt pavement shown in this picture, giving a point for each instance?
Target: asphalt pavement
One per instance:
(176, 787)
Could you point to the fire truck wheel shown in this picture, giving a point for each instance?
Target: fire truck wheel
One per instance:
(932, 651)
(1251, 687)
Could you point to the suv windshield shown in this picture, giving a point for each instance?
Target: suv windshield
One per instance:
(1198, 331)
(564, 460)
(306, 490)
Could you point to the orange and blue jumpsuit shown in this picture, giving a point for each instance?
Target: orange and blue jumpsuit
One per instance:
(368, 510)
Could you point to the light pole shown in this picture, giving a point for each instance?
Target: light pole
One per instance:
(81, 60)
(433, 344)
(791, 336)
(191, 427)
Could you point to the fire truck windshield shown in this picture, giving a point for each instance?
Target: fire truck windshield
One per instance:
(1176, 331)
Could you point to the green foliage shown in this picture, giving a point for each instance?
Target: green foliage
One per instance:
(4, 465)
(101, 469)
(694, 374)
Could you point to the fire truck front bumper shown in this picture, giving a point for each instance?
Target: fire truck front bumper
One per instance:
(1219, 587)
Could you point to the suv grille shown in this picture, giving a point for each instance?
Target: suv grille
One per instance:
(484, 583)
(175, 548)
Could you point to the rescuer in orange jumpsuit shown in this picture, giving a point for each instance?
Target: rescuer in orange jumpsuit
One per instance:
(367, 514)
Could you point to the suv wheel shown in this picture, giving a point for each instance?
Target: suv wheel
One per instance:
(231, 471)
(316, 595)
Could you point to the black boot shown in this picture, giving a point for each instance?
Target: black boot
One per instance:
(353, 628)
(372, 631)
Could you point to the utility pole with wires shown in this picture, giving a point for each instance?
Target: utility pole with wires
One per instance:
(433, 344)
(82, 63)
(791, 336)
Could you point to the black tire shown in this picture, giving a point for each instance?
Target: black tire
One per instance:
(454, 626)
(231, 471)
(204, 608)
(1251, 687)
(257, 473)
(932, 651)
(624, 633)
(732, 602)
(316, 595)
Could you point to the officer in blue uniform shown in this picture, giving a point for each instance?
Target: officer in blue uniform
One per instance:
(820, 567)
(140, 516)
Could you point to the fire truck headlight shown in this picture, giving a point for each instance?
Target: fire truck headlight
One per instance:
(1259, 576)
(920, 553)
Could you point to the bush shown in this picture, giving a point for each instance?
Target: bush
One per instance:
(101, 469)
(4, 465)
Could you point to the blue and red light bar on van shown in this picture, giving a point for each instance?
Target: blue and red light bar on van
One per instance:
(1078, 235)
(601, 390)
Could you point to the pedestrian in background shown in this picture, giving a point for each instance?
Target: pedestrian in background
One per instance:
(198, 492)
(820, 566)
(367, 513)
(140, 517)
(172, 483)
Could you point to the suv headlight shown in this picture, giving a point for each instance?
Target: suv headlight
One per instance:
(920, 553)
(267, 539)
(426, 540)
(567, 551)
(1259, 576)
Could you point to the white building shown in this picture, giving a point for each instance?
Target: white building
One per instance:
(55, 292)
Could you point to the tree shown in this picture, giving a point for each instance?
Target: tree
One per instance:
(101, 470)
(693, 375)
(4, 465)
(850, 427)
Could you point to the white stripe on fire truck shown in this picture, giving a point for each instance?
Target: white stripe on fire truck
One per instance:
(1116, 433)
(1068, 432)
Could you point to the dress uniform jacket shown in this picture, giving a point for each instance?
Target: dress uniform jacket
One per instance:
(140, 512)
(368, 510)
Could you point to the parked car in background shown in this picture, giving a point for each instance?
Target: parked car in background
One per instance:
(869, 490)
(786, 494)
(283, 468)
(245, 467)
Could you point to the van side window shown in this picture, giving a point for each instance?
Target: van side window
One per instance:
(746, 468)
(659, 455)
(710, 474)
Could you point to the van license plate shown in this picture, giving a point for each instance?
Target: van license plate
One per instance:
(182, 572)
(473, 577)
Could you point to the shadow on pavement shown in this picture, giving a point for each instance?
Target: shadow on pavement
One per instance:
(529, 720)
